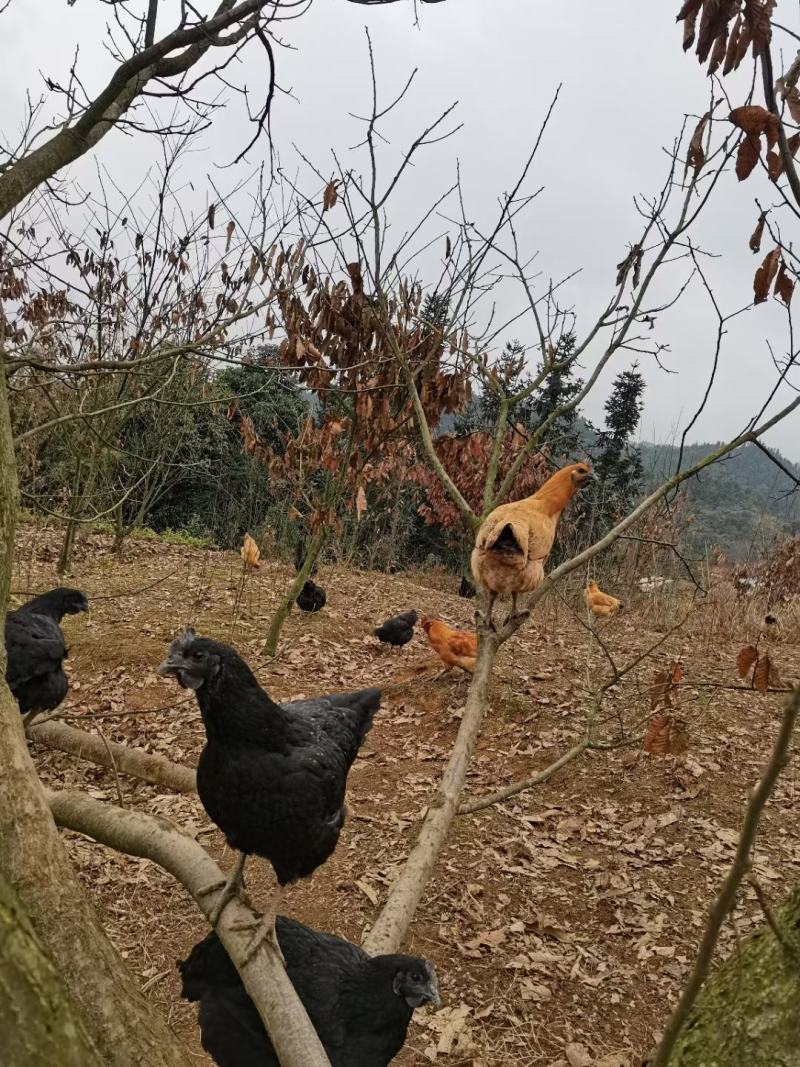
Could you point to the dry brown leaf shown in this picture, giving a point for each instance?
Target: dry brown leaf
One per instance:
(758, 233)
(696, 156)
(211, 213)
(660, 689)
(676, 672)
(367, 890)
(765, 275)
(718, 53)
(759, 13)
(448, 248)
(784, 285)
(745, 660)
(330, 197)
(229, 231)
(361, 502)
(754, 120)
(791, 96)
(250, 552)
(656, 740)
(747, 157)
(761, 674)
(732, 51)
(354, 270)
(577, 1055)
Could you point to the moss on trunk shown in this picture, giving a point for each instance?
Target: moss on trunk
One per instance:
(748, 1012)
(39, 1023)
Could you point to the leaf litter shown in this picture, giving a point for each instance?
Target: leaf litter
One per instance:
(562, 922)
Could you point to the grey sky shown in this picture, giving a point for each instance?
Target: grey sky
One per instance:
(626, 88)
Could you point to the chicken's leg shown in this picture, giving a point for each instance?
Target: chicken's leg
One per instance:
(487, 618)
(264, 927)
(233, 887)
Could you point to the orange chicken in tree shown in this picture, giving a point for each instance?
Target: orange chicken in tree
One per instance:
(515, 539)
(600, 603)
(455, 648)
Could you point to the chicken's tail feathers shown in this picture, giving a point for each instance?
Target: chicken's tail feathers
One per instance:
(366, 703)
(508, 537)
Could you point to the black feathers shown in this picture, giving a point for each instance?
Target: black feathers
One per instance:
(36, 649)
(271, 776)
(360, 1006)
(312, 597)
(466, 589)
(398, 630)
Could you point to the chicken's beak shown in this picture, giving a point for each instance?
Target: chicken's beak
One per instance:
(432, 992)
(585, 479)
(181, 669)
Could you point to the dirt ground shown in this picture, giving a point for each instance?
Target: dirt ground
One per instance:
(561, 922)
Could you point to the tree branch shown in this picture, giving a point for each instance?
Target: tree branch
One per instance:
(131, 761)
(157, 839)
(471, 806)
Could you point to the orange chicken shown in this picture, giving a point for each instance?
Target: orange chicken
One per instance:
(455, 648)
(600, 603)
(515, 539)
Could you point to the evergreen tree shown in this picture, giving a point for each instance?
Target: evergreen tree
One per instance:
(559, 387)
(618, 463)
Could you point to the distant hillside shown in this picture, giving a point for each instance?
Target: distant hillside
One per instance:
(742, 504)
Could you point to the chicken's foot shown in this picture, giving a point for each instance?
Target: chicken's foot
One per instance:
(264, 928)
(233, 887)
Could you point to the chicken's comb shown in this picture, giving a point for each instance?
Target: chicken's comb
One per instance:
(183, 640)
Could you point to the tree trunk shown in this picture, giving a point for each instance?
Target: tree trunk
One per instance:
(748, 1013)
(394, 920)
(125, 1029)
(284, 608)
(39, 1023)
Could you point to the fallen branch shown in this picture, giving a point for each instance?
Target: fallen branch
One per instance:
(117, 758)
(525, 783)
(159, 840)
(727, 894)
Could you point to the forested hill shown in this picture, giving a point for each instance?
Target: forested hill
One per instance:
(740, 504)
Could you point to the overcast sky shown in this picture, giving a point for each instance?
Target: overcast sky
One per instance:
(626, 88)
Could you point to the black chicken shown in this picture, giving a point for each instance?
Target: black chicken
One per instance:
(359, 1005)
(35, 649)
(312, 597)
(466, 589)
(271, 776)
(398, 630)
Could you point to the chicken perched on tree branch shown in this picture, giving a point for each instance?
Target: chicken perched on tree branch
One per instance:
(271, 776)
(515, 539)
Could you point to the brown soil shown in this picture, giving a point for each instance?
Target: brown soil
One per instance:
(561, 922)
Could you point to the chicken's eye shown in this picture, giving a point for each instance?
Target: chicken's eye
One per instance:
(416, 977)
(198, 655)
